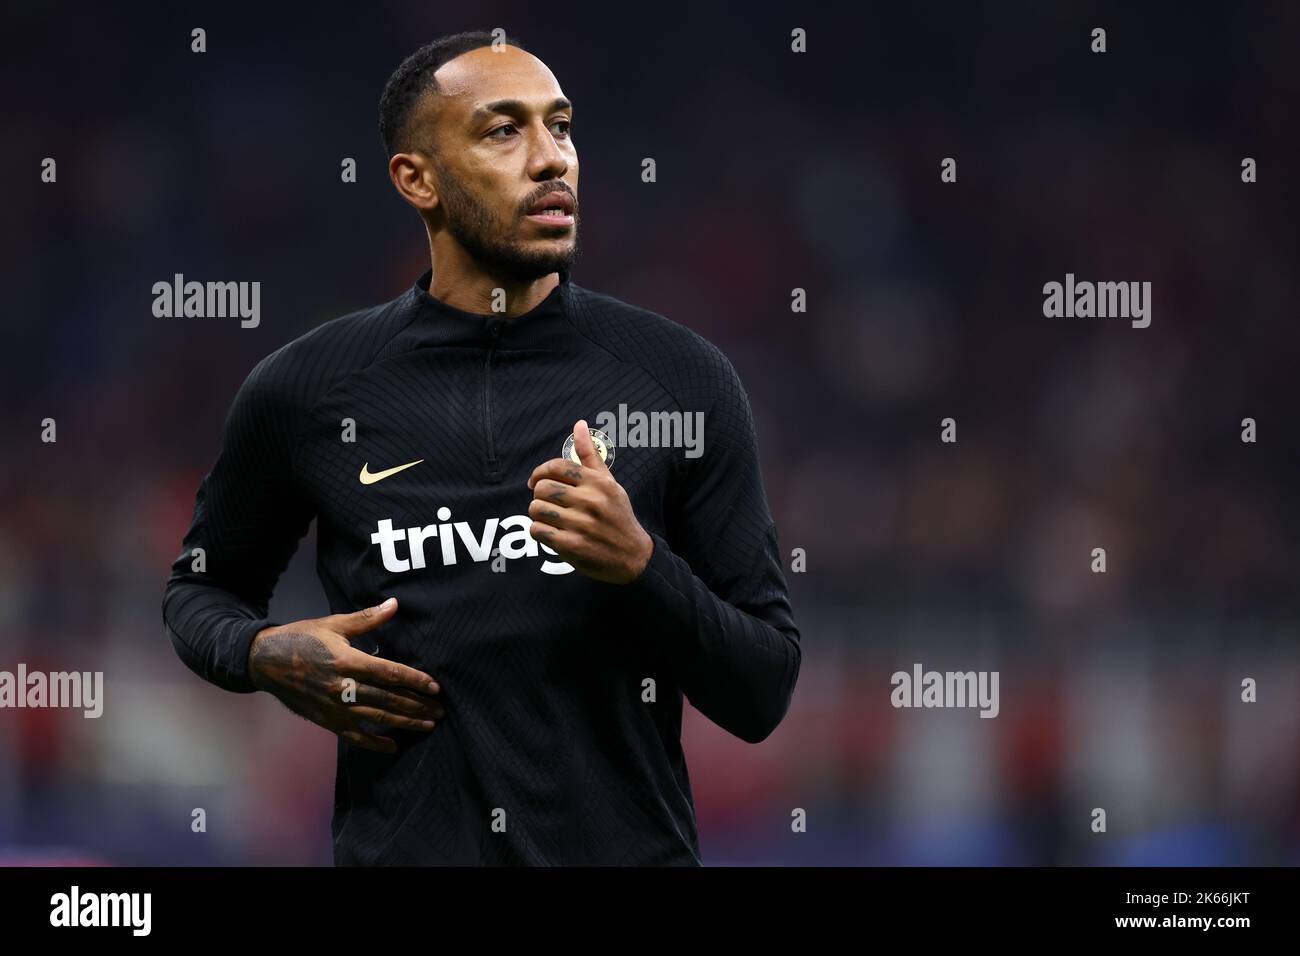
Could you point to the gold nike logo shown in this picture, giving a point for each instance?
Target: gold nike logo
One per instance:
(369, 478)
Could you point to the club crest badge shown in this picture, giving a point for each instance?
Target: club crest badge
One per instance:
(604, 448)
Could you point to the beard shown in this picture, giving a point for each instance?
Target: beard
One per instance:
(487, 239)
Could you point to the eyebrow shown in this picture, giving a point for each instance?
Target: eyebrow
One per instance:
(515, 108)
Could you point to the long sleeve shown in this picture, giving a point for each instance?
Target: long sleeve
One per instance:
(718, 594)
(247, 523)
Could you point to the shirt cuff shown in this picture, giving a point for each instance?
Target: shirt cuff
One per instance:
(233, 667)
(652, 586)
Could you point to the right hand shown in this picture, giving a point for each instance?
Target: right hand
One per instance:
(305, 664)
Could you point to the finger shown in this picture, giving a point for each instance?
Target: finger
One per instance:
(569, 546)
(558, 469)
(349, 626)
(380, 670)
(557, 516)
(390, 719)
(385, 745)
(585, 447)
(399, 702)
(548, 489)
(558, 540)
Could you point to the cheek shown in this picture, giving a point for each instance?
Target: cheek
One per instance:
(490, 187)
(498, 196)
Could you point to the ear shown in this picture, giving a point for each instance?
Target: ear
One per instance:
(412, 176)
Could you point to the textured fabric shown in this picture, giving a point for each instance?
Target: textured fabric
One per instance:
(543, 674)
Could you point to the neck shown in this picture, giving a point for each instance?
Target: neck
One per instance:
(462, 284)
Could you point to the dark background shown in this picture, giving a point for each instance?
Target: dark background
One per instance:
(775, 170)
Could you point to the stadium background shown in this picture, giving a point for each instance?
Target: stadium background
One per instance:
(775, 171)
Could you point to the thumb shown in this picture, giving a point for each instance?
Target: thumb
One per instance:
(357, 623)
(585, 447)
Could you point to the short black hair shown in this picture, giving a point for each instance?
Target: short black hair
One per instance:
(414, 78)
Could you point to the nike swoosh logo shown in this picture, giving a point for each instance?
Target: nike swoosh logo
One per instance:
(369, 478)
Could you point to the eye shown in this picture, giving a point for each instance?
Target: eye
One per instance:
(566, 124)
(493, 134)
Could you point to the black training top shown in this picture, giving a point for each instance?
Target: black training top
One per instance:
(562, 738)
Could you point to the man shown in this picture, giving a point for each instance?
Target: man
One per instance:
(531, 614)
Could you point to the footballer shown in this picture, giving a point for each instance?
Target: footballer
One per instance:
(520, 601)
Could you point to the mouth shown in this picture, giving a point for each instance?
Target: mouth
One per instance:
(554, 209)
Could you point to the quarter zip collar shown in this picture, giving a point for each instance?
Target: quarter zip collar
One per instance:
(439, 324)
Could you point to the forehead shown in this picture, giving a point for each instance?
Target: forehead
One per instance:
(485, 75)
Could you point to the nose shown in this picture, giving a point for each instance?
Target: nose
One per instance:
(547, 160)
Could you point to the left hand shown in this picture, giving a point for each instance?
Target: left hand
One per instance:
(584, 515)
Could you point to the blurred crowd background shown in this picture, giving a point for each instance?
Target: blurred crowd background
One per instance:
(775, 171)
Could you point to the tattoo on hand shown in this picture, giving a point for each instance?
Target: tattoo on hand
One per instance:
(290, 660)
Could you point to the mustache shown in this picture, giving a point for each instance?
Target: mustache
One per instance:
(558, 186)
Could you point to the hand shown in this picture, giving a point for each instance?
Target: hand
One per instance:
(305, 665)
(584, 515)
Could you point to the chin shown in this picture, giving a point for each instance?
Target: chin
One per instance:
(552, 249)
